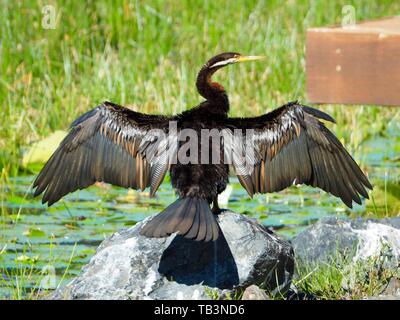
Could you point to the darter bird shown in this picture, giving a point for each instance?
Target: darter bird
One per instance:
(116, 145)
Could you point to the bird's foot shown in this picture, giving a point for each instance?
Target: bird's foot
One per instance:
(217, 210)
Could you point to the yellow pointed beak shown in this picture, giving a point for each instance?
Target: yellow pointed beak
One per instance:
(249, 58)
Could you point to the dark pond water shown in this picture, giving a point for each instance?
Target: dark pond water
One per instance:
(36, 241)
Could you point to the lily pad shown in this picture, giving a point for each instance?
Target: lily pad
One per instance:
(385, 200)
(41, 151)
(34, 232)
(25, 258)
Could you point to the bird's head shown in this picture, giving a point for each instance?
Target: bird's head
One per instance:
(213, 90)
(226, 58)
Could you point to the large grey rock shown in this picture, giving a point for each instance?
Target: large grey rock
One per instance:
(358, 239)
(130, 266)
(362, 249)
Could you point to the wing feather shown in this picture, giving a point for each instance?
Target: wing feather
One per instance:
(296, 147)
(103, 145)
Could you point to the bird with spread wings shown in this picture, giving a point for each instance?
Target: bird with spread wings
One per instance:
(116, 145)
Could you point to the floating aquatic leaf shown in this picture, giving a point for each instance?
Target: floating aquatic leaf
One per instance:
(385, 200)
(72, 225)
(34, 232)
(17, 200)
(40, 151)
(25, 258)
(130, 223)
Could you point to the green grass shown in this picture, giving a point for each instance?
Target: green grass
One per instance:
(339, 278)
(146, 54)
(29, 279)
(342, 278)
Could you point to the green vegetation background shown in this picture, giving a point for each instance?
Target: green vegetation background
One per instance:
(146, 54)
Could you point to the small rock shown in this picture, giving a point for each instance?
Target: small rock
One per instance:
(382, 298)
(254, 293)
(130, 266)
(393, 288)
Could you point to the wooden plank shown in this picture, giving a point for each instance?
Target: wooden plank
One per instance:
(384, 25)
(354, 66)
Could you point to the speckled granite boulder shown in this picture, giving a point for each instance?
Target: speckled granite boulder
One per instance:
(358, 239)
(130, 266)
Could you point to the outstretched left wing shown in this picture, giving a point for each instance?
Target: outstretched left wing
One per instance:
(292, 146)
(109, 143)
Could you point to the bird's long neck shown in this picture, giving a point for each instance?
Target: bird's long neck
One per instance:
(212, 91)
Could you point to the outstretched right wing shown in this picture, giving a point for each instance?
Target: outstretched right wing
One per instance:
(291, 146)
(109, 143)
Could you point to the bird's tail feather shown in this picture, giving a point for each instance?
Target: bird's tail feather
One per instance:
(191, 217)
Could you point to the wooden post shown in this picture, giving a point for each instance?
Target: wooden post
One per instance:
(354, 65)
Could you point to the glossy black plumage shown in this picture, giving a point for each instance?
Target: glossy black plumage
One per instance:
(116, 145)
(295, 148)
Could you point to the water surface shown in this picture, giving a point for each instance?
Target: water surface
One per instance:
(61, 239)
